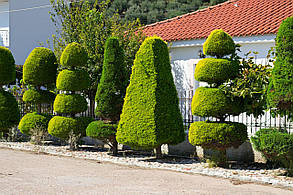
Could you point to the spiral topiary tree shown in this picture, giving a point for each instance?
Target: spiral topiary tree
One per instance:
(150, 115)
(39, 70)
(110, 94)
(280, 91)
(212, 101)
(9, 112)
(69, 103)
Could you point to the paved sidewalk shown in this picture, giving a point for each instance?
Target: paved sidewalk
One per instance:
(28, 173)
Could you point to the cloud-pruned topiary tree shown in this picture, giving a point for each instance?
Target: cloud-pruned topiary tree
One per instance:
(39, 70)
(69, 103)
(9, 112)
(212, 101)
(110, 94)
(280, 91)
(150, 115)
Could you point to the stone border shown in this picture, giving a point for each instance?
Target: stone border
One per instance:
(186, 166)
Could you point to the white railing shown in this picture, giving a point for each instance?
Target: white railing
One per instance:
(4, 37)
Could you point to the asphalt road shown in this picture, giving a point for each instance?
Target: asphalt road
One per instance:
(29, 173)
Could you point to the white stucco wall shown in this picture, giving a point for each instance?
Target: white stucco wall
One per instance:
(30, 25)
(184, 57)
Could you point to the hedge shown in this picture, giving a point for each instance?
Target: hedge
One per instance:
(213, 70)
(61, 127)
(38, 96)
(215, 135)
(9, 111)
(73, 80)
(70, 104)
(33, 120)
(74, 55)
(112, 86)
(7, 66)
(219, 44)
(101, 130)
(150, 115)
(40, 68)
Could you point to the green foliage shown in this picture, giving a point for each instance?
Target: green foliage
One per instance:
(74, 55)
(40, 68)
(219, 44)
(250, 85)
(280, 92)
(62, 126)
(150, 11)
(113, 83)
(212, 70)
(150, 115)
(73, 80)
(7, 66)
(216, 135)
(276, 146)
(87, 23)
(213, 102)
(83, 123)
(38, 96)
(101, 130)
(33, 120)
(70, 104)
(9, 111)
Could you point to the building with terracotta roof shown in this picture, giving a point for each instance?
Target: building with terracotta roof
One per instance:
(252, 23)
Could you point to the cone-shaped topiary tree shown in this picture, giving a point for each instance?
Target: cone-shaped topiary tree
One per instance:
(39, 70)
(150, 115)
(68, 103)
(110, 94)
(280, 91)
(9, 112)
(212, 101)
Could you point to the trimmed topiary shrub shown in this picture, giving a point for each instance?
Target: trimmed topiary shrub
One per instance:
(69, 80)
(71, 129)
(101, 130)
(70, 103)
(40, 68)
(214, 135)
(112, 86)
(150, 115)
(7, 66)
(280, 91)
(213, 70)
(219, 44)
(38, 96)
(213, 102)
(74, 55)
(9, 111)
(276, 146)
(33, 120)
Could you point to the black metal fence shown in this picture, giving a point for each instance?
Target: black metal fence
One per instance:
(185, 99)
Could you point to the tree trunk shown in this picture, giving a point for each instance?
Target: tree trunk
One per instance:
(115, 146)
(158, 151)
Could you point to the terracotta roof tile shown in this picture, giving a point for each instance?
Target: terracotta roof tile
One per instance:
(236, 17)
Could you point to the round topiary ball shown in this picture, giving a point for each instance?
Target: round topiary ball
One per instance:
(31, 121)
(101, 130)
(210, 102)
(9, 111)
(7, 66)
(40, 68)
(213, 70)
(70, 104)
(215, 135)
(73, 80)
(61, 127)
(38, 96)
(74, 55)
(219, 44)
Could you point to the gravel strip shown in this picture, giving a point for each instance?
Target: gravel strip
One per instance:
(264, 176)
